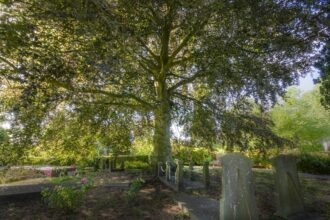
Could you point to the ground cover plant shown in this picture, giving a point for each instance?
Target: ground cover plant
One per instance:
(102, 202)
(67, 198)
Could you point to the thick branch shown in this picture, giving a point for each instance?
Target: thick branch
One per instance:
(156, 17)
(183, 43)
(148, 49)
(70, 87)
(186, 81)
(131, 106)
(9, 63)
(148, 62)
(181, 96)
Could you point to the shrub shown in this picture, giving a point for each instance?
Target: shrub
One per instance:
(260, 159)
(307, 148)
(313, 163)
(136, 165)
(131, 193)
(142, 146)
(197, 154)
(67, 198)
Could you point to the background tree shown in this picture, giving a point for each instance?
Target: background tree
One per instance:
(302, 119)
(6, 152)
(324, 66)
(150, 56)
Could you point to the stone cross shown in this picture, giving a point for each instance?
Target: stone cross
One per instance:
(289, 199)
(179, 174)
(238, 201)
(206, 174)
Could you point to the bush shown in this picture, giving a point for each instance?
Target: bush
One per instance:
(307, 148)
(197, 154)
(136, 165)
(131, 193)
(66, 198)
(313, 163)
(262, 160)
(142, 146)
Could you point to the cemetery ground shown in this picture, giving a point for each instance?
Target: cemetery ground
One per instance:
(107, 198)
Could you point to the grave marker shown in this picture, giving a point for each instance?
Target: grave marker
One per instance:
(168, 171)
(289, 199)
(179, 174)
(206, 174)
(238, 200)
(191, 170)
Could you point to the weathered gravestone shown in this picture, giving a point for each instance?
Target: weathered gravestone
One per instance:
(289, 200)
(326, 144)
(168, 170)
(206, 174)
(160, 169)
(238, 200)
(122, 165)
(102, 163)
(191, 170)
(179, 174)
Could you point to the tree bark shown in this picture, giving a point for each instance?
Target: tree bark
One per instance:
(162, 133)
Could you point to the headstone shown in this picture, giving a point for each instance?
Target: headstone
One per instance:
(110, 165)
(216, 162)
(206, 174)
(168, 171)
(326, 144)
(191, 170)
(122, 165)
(289, 199)
(218, 156)
(238, 200)
(107, 163)
(101, 163)
(105, 151)
(179, 174)
(160, 171)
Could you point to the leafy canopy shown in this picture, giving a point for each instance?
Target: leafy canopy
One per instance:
(159, 59)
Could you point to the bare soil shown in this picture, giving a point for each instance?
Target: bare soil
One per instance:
(101, 202)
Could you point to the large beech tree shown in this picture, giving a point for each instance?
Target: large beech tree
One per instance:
(157, 57)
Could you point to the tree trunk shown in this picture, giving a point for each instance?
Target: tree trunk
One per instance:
(162, 133)
(162, 144)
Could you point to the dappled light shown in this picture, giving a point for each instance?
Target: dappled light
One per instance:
(167, 109)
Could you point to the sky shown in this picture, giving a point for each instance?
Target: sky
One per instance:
(306, 83)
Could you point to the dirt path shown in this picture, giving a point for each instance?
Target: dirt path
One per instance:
(198, 207)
